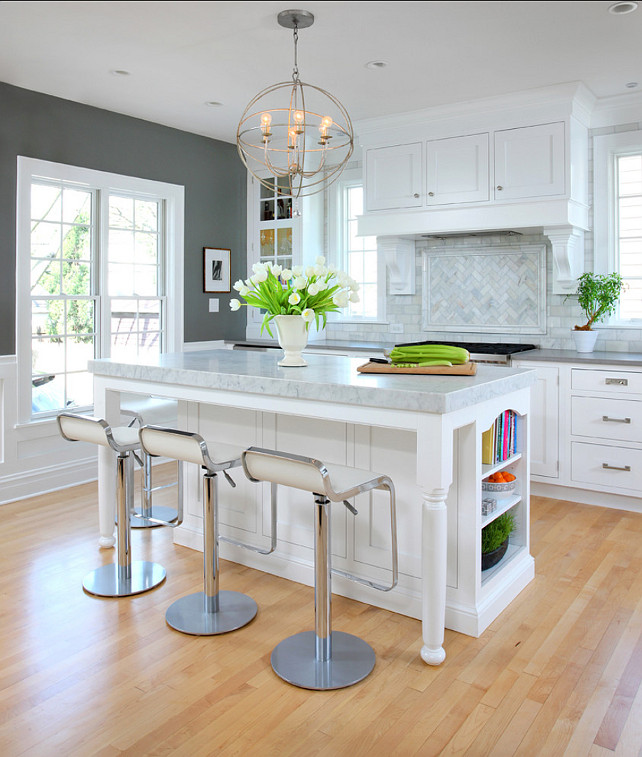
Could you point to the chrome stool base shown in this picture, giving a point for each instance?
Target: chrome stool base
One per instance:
(160, 512)
(188, 614)
(294, 660)
(106, 581)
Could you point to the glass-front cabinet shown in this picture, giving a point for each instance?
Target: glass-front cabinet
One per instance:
(281, 230)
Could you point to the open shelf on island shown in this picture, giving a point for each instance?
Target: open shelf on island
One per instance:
(512, 551)
(488, 470)
(503, 505)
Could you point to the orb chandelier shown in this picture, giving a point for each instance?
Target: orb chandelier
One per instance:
(301, 134)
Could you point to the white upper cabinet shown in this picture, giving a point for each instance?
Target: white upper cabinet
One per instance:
(457, 170)
(529, 162)
(393, 177)
(516, 161)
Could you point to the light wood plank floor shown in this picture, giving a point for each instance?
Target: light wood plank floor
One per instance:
(558, 673)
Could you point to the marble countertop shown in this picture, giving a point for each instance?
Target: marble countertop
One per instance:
(571, 356)
(327, 378)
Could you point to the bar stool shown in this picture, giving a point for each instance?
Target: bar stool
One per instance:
(126, 577)
(323, 659)
(211, 611)
(160, 412)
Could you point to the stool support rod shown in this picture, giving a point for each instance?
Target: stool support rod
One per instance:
(124, 501)
(146, 488)
(210, 541)
(322, 579)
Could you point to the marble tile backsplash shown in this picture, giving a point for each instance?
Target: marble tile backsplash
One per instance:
(561, 314)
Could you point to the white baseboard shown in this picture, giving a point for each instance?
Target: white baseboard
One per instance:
(33, 483)
(586, 497)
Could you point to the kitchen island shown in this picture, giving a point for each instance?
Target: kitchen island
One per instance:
(422, 431)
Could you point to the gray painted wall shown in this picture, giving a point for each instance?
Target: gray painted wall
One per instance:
(48, 128)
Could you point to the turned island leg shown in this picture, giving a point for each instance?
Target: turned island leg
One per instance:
(434, 556)
(435, 440)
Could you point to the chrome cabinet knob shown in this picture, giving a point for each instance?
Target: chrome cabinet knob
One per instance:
(416, 195)
(500, 188)
(431, 194)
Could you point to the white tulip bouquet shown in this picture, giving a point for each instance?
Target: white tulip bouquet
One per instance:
(311, 292)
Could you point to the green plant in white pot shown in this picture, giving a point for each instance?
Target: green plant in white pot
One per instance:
(597, 295)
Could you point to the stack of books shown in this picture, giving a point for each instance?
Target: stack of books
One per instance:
(500, 441)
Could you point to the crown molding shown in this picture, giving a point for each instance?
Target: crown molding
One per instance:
(616, 110)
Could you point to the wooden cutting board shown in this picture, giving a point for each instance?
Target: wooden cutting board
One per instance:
(466, 369)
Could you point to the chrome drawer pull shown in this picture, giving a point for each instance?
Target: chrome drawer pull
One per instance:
(614, 467)
(615, 420)
(617, 381)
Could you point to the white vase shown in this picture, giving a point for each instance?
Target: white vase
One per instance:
(293, 338)
(584, 340)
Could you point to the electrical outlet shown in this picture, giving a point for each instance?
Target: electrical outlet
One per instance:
(396, 328)
(213, 304)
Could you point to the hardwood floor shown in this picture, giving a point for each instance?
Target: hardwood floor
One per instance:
(558, 673)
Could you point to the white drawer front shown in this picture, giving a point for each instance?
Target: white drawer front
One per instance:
(618, 382)
(605, 418)
(623, 471)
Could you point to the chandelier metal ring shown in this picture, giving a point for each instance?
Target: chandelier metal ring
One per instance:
(308, 146)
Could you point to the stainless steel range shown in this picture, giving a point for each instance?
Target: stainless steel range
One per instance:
(485, 352)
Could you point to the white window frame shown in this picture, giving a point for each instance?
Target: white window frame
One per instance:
(606, 148)
(351, 177)
(173, 198)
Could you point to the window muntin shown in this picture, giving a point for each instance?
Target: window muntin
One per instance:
(135, 276)
(628, 232)
(62, 290)
(359, 255)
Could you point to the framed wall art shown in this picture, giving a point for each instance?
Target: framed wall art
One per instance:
(216, 270)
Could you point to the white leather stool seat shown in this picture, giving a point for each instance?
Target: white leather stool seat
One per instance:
(337, 482)
(158, 411)
(179, 445)
(125, 436)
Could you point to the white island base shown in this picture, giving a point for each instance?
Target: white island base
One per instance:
(422, 431)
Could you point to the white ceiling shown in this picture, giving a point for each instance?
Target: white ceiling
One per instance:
(183, 54)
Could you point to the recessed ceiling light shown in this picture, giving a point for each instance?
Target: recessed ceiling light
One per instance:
(617, 9)
(214, 104)
(119, 72)
(374, 65)
(631, 84)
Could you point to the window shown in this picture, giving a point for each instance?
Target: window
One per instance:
(628, 239)
(357, 254)
(99, 275)
(618, 218)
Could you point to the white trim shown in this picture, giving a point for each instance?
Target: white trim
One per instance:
(605, 149)
(29, 483)
(351, 177)
(173, 198)
(215, 344)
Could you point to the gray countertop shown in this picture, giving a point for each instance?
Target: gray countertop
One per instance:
(588, 358)
(327, 378)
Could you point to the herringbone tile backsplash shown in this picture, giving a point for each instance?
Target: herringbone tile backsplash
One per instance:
(498, 290)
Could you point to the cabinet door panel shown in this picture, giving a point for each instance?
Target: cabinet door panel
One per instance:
(393, 177)
(529, 162)
(544, 421)
(457, 170)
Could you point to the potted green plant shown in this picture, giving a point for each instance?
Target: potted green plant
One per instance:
(494, 539)
(597, 295)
